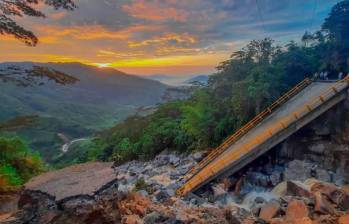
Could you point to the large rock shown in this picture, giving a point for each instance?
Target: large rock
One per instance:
(291, 188)
(344, 219)
(296, 210)
(335, 194)
(83, 193)
(83, 179)
(322, 206)
(270, 210)
(298, 170)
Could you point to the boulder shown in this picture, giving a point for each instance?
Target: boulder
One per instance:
(270, 210)
(298, 170)
(296, 210)
(344, 219)
(335, 194)
(161, 195)
(131, 219)
(218, 191)
(291, 188)
(82, 179)
(322, 206)
(295, 188)
(152, 218)
(198, 156)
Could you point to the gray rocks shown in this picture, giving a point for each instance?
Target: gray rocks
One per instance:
(298, 170)
(198, 156)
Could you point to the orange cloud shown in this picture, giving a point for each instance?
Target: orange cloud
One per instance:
(154, 12)
(51, 33)
(165, 39)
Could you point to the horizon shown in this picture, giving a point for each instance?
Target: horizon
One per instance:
(161, 37)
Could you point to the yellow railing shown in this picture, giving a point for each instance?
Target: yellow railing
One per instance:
(211, 170)
(252, 123)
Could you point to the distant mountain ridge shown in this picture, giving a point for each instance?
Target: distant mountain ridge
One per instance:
(101, 97)
(178, 80)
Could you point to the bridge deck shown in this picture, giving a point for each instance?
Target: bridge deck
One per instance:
(305, 102)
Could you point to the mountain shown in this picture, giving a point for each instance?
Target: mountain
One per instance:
(172, 80)
(179, 80)
(101, 97)
(201, 79)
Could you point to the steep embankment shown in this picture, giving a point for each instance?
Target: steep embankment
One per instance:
(98, 100)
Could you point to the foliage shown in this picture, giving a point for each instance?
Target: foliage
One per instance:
(20, 8)
(243, 85)
(17, 163)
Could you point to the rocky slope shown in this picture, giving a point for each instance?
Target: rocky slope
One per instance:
(144, 192)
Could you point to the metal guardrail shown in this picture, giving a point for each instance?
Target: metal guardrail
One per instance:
(196, 180)
(251, 124)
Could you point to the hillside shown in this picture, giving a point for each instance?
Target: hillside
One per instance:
(98, 100)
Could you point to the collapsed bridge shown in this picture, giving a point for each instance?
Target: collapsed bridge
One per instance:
(298, 107)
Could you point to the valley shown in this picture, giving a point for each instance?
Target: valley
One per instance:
(101, 98)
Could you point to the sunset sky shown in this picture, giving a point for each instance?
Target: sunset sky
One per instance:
(162, 36)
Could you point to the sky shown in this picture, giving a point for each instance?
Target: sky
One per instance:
(172, 37)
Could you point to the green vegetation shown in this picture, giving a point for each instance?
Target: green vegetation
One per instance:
(17, 163)
(242, 86)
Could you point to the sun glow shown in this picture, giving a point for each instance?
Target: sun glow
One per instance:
(102, 65)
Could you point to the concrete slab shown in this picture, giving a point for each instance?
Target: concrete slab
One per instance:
(83, 179)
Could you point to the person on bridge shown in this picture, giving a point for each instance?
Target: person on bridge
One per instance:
(316, 76)
(340, 76)
(326, 75)
(321, 75)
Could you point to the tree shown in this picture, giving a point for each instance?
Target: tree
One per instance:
(20, 8)
(336, 26)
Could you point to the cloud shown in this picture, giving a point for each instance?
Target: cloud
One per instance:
(154, 11)
(166, 39)
(144, 33)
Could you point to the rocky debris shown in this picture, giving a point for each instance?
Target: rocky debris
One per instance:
(144, 192)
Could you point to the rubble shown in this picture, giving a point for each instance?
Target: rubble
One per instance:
(144, 192)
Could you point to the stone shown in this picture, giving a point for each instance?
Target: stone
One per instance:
(82, 179)
(335, 194)
(280, 189)
(344, 219)
(218, 191)
(151, 218)
(323, 175)
(297, 170)
(132, 219)
(259, 200)
(174, 160)
(295, 188)
(275, 177)
(269, 210)
(143, 193)
(318, 148)
(198, 156)
(161, 195)
(296, 210)
(291, 188)
(257, 179)
(322, 206)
